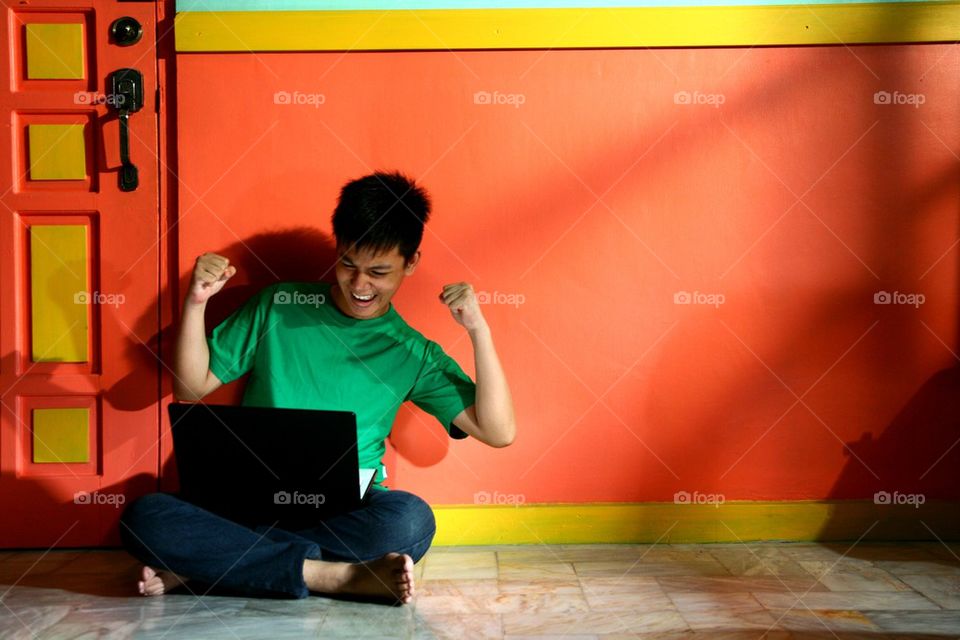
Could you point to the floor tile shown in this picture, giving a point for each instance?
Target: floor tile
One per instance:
(629, 593)
(869, 591)
(824, 621)
(543, 570)
(457, 627)
(663, 568)
(757, 560)
(941, 589)
(594, 622)
(853, 577)
(847, 600)
(462, 565)
(920, 622)
(30, 621)
(775, 584)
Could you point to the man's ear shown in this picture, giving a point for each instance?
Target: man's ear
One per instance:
(411, 266)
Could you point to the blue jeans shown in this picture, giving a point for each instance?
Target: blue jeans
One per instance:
(167, 533)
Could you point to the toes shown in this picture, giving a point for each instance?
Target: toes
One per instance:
(167, 579)
(151, 583)
(148, 587)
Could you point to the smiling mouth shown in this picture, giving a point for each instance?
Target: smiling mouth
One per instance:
(363, 299)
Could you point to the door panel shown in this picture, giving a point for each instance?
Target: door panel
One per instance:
(79, 272)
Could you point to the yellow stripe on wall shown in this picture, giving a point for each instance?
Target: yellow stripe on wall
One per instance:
(59, 294)
(685, 523)
(567, 28)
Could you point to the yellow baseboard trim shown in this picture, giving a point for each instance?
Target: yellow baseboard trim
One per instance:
(542, 28)
(684, 523)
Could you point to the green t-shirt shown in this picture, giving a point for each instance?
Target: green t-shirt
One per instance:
(304, 353)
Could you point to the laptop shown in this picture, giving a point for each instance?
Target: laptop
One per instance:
(262, 465)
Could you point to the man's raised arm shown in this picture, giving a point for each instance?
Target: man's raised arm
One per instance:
(191, 361)
(491, 420)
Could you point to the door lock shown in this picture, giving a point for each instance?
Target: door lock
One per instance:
(126, 91)
(126, 31)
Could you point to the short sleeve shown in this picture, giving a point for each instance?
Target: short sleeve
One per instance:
(233, 343)
(442, 389)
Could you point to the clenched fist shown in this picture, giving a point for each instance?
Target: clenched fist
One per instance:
(463, 305)
(210, 273)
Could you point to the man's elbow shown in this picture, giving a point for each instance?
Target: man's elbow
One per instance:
(194, 391)
(504, 438)
(183, 393)
(500, 444)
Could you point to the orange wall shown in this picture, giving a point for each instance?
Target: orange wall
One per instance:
(597, 200)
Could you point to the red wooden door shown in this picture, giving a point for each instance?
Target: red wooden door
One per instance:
(79, 272)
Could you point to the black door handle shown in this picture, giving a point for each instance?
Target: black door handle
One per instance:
(126, 93)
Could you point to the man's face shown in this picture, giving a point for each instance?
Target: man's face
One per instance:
(362, 274)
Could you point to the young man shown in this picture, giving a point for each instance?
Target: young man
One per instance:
(314, 345)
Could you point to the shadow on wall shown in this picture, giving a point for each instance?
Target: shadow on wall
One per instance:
(907, 452)
(296, 254)
(912, 463)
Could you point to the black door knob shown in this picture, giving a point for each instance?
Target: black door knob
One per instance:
(126, 31)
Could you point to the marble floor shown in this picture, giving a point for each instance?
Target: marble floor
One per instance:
(767, 590)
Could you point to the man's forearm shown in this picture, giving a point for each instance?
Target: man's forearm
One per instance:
(191, 355)
(494, 404)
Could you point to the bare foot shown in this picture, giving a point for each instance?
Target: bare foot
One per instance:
(156, 583)
(389, 577)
